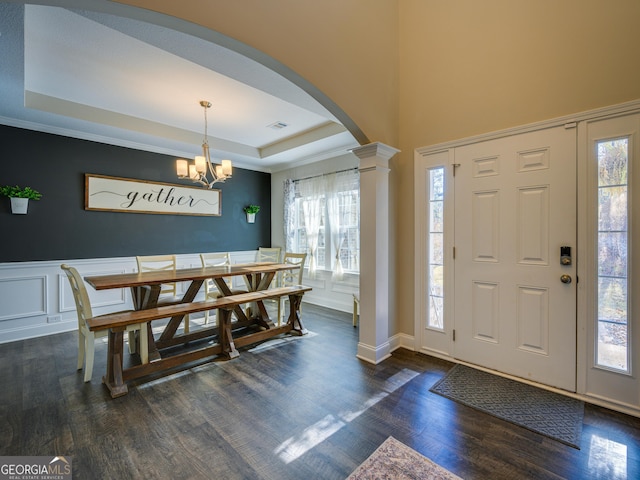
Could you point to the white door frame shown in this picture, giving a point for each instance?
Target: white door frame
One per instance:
(421, 160)
(598, 383)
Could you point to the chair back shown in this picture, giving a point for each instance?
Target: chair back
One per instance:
(80, 295)
(155, 263)
(215, 260)
(293, 277)
(269, 254)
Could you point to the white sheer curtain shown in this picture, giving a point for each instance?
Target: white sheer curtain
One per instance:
(347, 182)
(330, 197)
(312, 191)
(289, 214)
(335, 210)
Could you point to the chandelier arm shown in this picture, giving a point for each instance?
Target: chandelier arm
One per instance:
(207, 156)
(216, 171)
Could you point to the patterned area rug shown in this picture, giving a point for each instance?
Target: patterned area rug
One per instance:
(548, 413)
(393, 460)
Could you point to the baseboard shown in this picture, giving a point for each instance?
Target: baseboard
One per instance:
(372, 354)
(402, 340)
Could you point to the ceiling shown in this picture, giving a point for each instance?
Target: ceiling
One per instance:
(124, 82)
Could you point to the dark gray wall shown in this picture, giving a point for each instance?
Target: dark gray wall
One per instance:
(58, 227)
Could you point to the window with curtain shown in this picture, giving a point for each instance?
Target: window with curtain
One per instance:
(322, 219)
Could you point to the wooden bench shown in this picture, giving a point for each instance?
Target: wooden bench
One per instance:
(117, 376)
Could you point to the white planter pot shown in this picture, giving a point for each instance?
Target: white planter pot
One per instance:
(19, 205)
(251, 217)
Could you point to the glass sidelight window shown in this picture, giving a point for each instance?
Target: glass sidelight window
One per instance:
(612, 251)
(435, 283)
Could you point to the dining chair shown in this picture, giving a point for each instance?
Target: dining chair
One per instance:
(288, 278)
(269, 254)
(87, 338)
(168, 291)
(356, 309)
(210, 288)
(266, 254)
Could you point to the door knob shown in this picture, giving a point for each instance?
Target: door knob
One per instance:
(565, 278)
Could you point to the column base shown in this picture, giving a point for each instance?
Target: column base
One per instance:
(374, 355)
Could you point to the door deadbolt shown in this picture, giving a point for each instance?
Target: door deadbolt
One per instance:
(565, 255)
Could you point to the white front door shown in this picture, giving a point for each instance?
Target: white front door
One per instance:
(515, 208)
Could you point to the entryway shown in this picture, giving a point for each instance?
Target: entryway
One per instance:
(524, 258)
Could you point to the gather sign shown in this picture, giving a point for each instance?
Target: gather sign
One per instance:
(141, 196)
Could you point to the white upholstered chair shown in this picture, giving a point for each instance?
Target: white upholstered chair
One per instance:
(86, 338)
(210, 289)
(168, 291)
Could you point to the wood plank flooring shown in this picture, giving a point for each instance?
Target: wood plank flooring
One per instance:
(305, 408)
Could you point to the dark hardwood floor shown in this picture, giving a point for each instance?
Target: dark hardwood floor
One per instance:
(305, 408)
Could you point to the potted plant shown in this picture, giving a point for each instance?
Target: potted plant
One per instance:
(20, 197)
(251, 211)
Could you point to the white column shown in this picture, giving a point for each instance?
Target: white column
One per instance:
(374, 346)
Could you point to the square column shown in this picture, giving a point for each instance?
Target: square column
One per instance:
(373, 345)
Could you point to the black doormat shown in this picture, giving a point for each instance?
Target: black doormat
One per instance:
(547, 413)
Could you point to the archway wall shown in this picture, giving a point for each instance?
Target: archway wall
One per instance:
(470, 67)
(342, 52)
(412, 73)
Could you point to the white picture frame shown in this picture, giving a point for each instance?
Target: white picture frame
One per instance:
(114, 194)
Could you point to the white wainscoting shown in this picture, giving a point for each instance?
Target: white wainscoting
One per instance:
(36, 300)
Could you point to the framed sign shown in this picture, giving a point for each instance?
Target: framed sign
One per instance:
(140, 196)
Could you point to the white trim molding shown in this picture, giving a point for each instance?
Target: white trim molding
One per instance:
(46, 307)
(591, 387)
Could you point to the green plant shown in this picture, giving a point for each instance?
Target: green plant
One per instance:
(19, 192)
(252, 209)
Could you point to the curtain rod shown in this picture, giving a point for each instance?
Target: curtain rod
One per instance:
(324, 174)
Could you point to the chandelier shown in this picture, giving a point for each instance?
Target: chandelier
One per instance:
(202, 167)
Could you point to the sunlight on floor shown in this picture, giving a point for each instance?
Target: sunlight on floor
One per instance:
(607, 459)
(296, 446)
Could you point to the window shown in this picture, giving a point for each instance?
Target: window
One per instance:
(612, 251)
(435, 281)
(322, 219)
(349, 249)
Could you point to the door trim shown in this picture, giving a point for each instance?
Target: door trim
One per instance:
(590, 115)
(420, 155)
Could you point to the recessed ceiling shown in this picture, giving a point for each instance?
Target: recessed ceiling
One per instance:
(130, 83)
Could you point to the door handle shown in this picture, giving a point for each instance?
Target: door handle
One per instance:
(565, 278)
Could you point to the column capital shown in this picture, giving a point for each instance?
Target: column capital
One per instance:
(378, 152)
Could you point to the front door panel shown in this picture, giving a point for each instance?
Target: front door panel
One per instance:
(515, 207)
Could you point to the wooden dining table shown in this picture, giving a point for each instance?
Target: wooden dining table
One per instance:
(145, 289)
